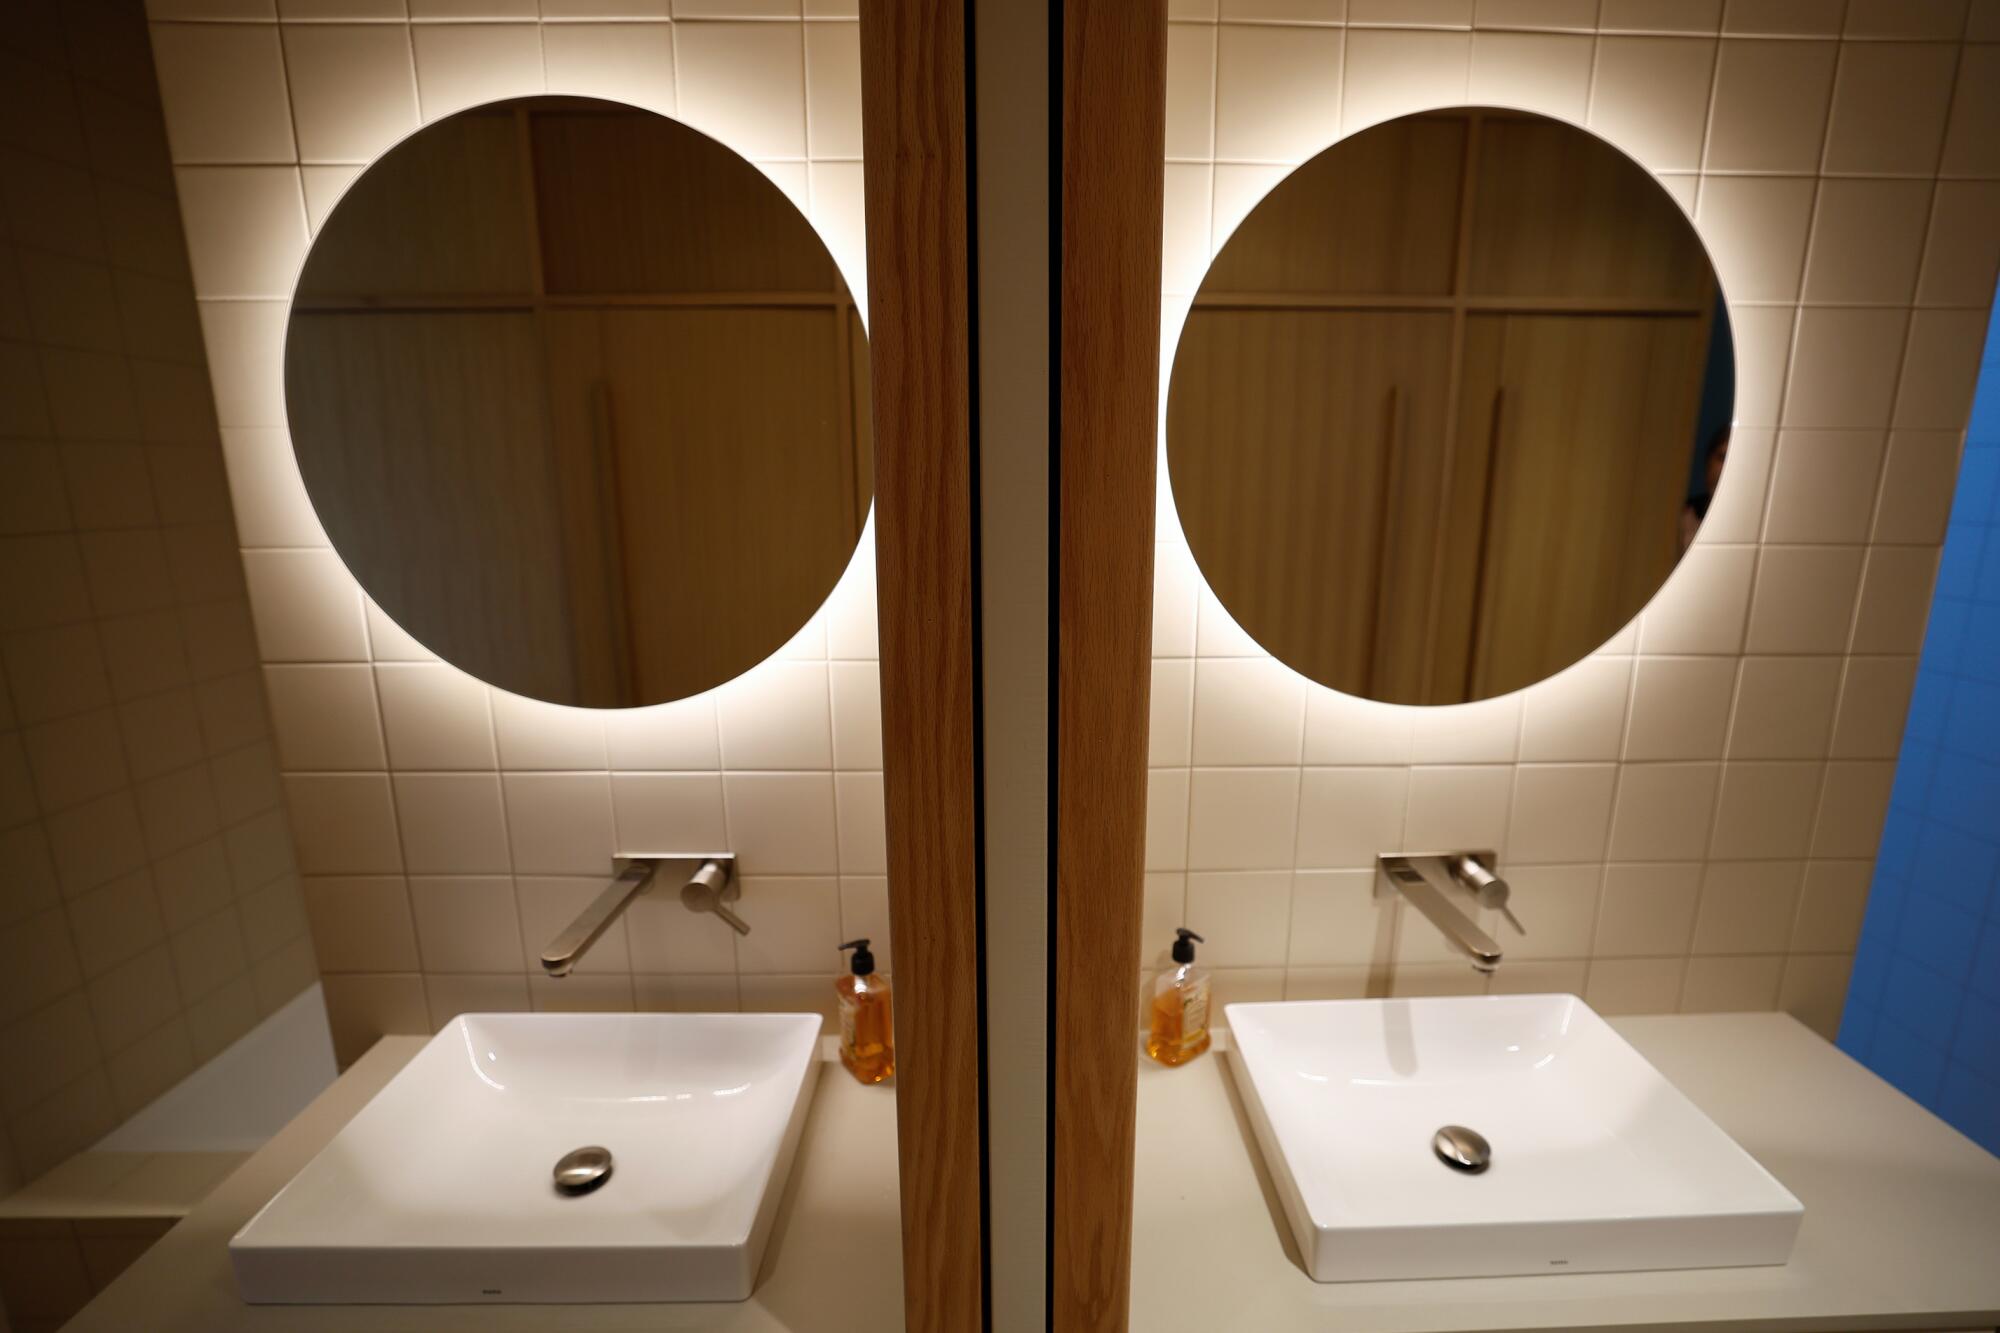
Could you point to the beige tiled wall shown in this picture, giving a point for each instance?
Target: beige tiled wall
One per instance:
(1689, 816)
(149, 911)
(446, 831)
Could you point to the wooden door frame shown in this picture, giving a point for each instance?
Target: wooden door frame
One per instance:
(1112, 182)
(914, 128)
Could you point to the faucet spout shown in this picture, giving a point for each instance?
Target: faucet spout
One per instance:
(708, 883)
(1424, 880)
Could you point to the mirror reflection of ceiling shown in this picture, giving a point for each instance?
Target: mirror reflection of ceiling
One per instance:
(1449, 406)
(582, 401)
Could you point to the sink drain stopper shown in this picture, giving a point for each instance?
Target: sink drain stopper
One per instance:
(583, 1170)
(1462, 1149)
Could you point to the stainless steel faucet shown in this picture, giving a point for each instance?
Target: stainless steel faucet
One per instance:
(1425, 879)
(710, 887)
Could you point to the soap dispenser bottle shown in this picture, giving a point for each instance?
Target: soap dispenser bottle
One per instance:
(867, 1035)
(1177, 1020)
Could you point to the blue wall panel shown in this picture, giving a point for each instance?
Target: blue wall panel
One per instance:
(1923, 1009)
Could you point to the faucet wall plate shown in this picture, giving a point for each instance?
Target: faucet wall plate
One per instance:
(1384, 888)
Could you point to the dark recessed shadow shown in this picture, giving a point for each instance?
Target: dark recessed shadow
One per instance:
(1279, 1222)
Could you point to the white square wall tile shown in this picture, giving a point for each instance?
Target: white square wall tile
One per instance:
(1731, 985)
(269, 498)
(1244, 917)
(1184, 259)
(864, 914)
(1832, 904)
(1349, 816)
(560, 823)
(362, 923)
(777, 716)
(1680, 707)
(1341, 729)
(537, 735)
(1650, 98)
(1543, 72)
(744, 83)
(1747, 906)
(245, 342)
(622, 62)
(1814, 991)
(222, 87)
(1561, 812)
(1242, 818)
(1413, 13)
(1458, 807)
(1702, 607)
(246, 233)
(1784, 707)
(1918, 480)
(782, 823)
(1647, 909)
(1874, 703)
(666, 936)
(1962, 251)
(1485, 732)
(1782, 18)
(344, 824)
(1579, 714)
(1770, 106)
(1852, 807)
(679, 735)
(1247, 711)
(863, 840)
(306, 607)
(1166, 818)
(1171, 708)
(466, 64)
(1895, 599)
(1823, 485)
(833, 89)
(1804, 601)
(468, 924)
(1392, 72)
(1190, 91)
(1844, 367)
(1755, 228)
(1663, 812)
(1940, 369)
(1558, 905)
(1337, 919)
(1765, 811)
(434, 716)
(1763, 337)
(1660, 15)
(1889, 106)
(325, 717)
(452, 823)
(1867, 238)
(1573, 15)
(1277, 92)
(1635, 985)
(1912, 19)
(668, 812)
(794, 925)
(354, 89)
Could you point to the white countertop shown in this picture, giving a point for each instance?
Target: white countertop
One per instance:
(1902, 1225)
(1901, 1230)
(834, 1264)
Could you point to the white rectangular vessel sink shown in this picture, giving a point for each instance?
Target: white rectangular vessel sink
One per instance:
(442, 1190)
(1595, 1162)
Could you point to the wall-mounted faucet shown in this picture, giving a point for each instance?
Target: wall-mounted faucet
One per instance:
(1424, 879)
(710, 887)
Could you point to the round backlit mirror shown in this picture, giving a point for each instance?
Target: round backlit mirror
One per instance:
(1449, 406)
(581, 399)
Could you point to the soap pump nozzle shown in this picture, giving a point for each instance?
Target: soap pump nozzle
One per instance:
(863, 962)
(1184, 942)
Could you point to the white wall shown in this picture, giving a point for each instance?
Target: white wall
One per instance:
(1688, 817)
(446, 831)
(149, 913)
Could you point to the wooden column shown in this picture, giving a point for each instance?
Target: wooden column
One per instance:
(913, 145)
(1112, 174)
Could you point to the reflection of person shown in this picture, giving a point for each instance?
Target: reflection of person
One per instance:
(1696, 508)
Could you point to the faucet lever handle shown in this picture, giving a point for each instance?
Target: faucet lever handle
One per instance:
(1488, 889)
(703, 893)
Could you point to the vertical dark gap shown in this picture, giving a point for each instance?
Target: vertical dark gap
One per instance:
(977, 597)
(1055, 631)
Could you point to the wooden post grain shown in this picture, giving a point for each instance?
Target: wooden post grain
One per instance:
(913, 135)
(1113, 154)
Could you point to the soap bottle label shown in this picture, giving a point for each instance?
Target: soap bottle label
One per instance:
(1194, 1011)
(847, 1011)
